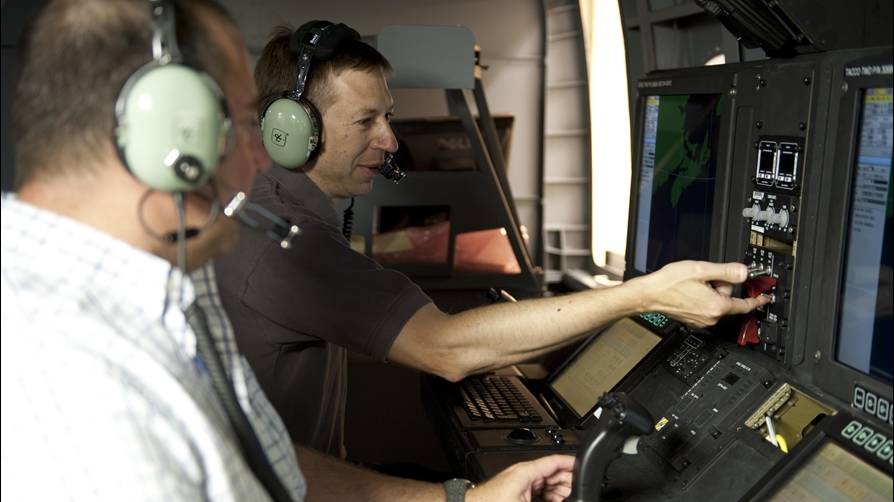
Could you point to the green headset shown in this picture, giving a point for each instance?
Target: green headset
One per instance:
(291, 125)
(171, 120)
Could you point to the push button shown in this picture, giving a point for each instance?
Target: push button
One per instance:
(871, 401)
(859, 397)
(885, 451)
(851, 429)
(864, 435)
(875, 442)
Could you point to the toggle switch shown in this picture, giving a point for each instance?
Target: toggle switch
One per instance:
(758, 270)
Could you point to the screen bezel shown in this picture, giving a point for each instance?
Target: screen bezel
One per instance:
(704, 80)
(571, 360)
(834, 377)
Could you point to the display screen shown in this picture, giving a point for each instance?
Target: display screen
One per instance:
(676, 180)
(865, 327)
(833, 473)
(601, 364)
(787, 157)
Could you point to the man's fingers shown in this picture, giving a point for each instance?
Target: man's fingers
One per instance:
(553, 465)
(559, 494)
(745, 305)
(732, 272)
(559, 478)
(557, 488)
(724, 288)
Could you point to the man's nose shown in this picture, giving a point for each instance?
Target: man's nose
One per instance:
(386, 140)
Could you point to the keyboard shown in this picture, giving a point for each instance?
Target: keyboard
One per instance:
(494, 401)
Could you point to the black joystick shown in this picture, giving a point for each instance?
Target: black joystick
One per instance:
(621, 418)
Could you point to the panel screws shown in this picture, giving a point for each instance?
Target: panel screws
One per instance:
(759, 124)
(806, 80)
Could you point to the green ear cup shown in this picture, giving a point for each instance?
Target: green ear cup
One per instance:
(291, 131)
(172, 127)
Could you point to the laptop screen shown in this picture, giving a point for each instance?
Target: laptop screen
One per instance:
(601, 364)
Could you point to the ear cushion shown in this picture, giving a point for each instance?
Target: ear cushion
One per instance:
(172, 126)
(291, 130)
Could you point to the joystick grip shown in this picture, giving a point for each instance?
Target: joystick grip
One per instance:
(621, 418)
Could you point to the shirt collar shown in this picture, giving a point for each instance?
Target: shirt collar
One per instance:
(303, 191)
(103, 266)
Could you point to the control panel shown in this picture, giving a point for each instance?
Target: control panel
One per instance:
(658, 322)
(689, 434)
(771, 215)
(689, 358)
(875, 442)
(843, 458)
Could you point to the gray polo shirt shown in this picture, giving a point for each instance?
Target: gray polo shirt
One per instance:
(296, 311)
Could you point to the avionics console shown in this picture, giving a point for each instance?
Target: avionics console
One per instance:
(780, 123)
(848, 456)
(785, 165)
(851, 321)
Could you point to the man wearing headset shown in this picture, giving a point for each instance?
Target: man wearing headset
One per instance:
(120, 376)
(293, 312)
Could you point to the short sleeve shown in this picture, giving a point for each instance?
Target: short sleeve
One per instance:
(322, 288)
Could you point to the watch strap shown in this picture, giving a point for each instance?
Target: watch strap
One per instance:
(456, 489)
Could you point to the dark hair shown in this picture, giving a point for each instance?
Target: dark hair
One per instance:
(76, 57)
(277, 69)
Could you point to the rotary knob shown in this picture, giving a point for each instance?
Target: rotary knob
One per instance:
(751, 212)
(764, 214)
(781, 218)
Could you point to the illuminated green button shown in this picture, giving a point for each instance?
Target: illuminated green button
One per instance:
(864, 435)
(655, 319)
(875, 442)
(851, 429)
(885, 451)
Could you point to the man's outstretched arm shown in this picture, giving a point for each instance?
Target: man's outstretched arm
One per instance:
(486, 338)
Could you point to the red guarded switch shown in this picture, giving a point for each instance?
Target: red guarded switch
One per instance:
(748, 332)
(759, 285)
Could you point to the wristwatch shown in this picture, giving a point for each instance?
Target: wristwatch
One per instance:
(456, 489)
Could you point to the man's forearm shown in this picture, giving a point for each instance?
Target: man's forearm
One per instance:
(331, 479)
(498, 335)
(453, 346)
(508, 333)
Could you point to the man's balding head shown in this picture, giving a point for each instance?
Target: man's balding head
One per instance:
(77, 56)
